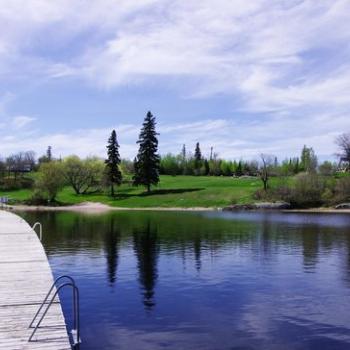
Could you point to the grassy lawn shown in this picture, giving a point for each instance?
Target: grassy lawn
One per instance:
(173, 191)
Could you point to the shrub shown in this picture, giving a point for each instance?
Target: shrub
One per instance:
(283, 192)
(327, 168)
(307, 191)
(260, 194)
(50, 180)
(37, 198)
(11, 183)
(342, 190)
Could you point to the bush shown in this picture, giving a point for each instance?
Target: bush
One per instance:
(37, 198)
(10, 183)
(50, 180)
(279, 193)
(327, 168)
(307, 191)
(342, 190)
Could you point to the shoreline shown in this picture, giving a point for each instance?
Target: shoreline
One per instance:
(95, 207)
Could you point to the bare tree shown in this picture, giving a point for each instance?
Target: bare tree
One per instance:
(29, 160)
(266, 167)
(343, 142)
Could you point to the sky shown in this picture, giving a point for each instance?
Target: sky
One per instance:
(244, 77)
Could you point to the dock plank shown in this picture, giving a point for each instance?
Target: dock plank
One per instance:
(25, 278)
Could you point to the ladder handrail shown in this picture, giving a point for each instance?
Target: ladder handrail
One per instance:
(40, 229)
(76, 312)
(48, 294)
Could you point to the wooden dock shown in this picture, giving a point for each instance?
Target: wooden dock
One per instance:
(25, 278)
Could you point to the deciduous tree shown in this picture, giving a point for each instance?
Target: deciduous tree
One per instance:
(343, 142)
(50, 180)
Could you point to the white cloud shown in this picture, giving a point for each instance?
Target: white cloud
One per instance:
(21, 121)
(231, 140)
(285, 63)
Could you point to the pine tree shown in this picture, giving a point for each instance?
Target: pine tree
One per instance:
(49, 154)
(197, 153)
(197, 159)
(239, 170)
(206, 167)
(113, 173)
(304, 159)
(183, 153)
(183, 156)
(148, 161)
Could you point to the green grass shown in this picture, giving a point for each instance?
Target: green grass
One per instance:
(173, 191)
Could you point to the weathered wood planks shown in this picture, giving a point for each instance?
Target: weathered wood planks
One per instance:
(25, 278)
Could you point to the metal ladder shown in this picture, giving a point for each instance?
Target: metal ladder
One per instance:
(40, 229)
(75, 332)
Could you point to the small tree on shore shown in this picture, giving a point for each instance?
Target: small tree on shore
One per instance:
(308, 160)
(82, 174)
(343, 142)
(50, 180)
(265, 169)
(147, 161)
(113, 173)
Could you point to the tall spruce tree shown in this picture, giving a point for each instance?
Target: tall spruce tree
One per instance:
(197, 159)
(113, 173)
(147, 161)
(49, 154)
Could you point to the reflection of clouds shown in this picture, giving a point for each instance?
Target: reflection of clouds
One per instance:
(297, 219)
(306, 317)
(238, 298)
(126, 338)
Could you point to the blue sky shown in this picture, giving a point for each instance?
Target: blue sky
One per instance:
(246, 77)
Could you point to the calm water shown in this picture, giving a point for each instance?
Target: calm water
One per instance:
(175, 280)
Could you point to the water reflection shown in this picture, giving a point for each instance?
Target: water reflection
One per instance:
(310, 244)
(112, 241)
(197, 248)
(146, 248)
(207, 280)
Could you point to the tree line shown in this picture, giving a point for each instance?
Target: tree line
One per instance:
(94, 174)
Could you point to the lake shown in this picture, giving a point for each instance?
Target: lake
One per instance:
(204, 280)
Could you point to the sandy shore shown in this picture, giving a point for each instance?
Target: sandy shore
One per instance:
(94, 207)
(318, 210)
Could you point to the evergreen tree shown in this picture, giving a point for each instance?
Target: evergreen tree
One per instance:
(113, 173)
(197, 159)
(239, 170)
(49, 154)
(206, 167)
(183, 162)
(305, 154)
(148, 161)
(197, 153)
(296, 166)
(47, 157)
(135, 165)
(183, 153)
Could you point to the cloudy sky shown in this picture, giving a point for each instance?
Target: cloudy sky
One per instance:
(243, 76)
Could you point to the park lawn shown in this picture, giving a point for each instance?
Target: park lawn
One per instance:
(172, 191)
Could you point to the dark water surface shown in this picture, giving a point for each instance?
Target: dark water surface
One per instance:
(180, 280)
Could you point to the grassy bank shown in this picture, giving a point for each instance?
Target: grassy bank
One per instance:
(173, 191)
